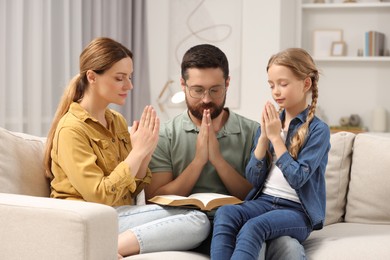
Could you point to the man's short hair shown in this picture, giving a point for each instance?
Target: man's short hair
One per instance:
(204, 56)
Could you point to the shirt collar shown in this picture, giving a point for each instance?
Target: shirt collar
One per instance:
(301, 116)
(78, 111)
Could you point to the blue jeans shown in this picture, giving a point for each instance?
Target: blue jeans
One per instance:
(240, 230)
(284, 247)
(160, 228)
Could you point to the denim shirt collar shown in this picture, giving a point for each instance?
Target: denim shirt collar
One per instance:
(295, 123)
(301, 117)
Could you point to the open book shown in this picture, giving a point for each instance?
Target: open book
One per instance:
(203, 201)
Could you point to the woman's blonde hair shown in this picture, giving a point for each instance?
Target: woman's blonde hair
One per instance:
(100, 55)
(302, 66)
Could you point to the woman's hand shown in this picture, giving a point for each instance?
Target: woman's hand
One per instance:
(144, 134)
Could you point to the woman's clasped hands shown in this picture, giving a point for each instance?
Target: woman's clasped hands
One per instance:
(144, 133)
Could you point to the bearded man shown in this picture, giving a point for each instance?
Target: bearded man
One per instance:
(207, 147)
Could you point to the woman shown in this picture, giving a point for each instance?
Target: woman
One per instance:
(91, 156)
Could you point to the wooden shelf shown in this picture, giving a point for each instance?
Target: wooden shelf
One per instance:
(350, 58)
(345, 5)
(351, 129)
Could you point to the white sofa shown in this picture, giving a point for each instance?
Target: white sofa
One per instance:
(33, 226)
(357, 211)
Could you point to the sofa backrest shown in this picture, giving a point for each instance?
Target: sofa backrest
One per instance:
(365, 184)
(21, 164)
(337, 175)
(369, 187)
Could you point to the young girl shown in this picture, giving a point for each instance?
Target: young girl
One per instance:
(286, 168)
(91, 156)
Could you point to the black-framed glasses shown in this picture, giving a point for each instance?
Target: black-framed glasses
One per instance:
(199, 92)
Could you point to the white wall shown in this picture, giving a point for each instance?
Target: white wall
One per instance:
(261, 36)
(267, 27)
(158, 39)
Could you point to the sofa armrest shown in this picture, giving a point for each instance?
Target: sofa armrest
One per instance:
(45, 228)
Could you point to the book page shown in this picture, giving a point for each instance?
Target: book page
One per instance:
(205, 198)
(175, 200)
(173, 197)
(204, 201)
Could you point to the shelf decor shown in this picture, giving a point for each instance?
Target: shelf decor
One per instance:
(323, 39)
(338, 48)
(374, 43)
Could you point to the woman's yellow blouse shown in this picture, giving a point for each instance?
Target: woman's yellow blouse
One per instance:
(87, 159)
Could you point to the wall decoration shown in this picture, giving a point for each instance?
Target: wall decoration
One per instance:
(205, 21)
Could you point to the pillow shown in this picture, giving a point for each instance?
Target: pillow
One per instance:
(21, 164)
(369, 188)
(337, 175)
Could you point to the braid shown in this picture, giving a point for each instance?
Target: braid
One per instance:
(300, 137)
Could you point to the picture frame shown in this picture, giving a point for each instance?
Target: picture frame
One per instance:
(323, 39)
(338, 48)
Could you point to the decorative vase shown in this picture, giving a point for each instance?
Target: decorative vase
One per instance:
(379, 120)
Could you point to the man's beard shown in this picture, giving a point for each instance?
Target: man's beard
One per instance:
(197, 110)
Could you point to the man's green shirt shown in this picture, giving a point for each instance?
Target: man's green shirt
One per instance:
(177, 145)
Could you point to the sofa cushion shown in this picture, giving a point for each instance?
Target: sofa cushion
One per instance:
(342, 241)
(370, 179)
(337, 175)
(21, 164)
(68, 230)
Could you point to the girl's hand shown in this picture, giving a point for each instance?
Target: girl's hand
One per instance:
(263, 134)
(262, 142)
(273, 125)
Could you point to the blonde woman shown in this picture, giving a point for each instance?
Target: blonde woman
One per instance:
(91, 156)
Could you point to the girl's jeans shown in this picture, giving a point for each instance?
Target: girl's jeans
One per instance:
(240, 230)
(160, 228)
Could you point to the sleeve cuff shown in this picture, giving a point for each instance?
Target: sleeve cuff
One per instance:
(285, 160)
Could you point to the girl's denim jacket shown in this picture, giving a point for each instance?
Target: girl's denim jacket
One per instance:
(306, 174)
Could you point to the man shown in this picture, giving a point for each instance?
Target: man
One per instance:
(206, 148)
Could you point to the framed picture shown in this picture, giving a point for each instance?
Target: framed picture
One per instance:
(322, 41)
(338, 48)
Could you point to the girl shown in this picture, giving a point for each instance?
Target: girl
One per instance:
(286, 168)
(91, 156)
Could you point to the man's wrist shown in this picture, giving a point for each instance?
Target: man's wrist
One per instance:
(197, 163)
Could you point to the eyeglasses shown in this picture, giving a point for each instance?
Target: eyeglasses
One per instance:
(199, 92)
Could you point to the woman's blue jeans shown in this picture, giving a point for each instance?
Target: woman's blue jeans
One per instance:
(240, 230)
(160, 228)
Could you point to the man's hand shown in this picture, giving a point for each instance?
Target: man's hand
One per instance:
(202, 152)
(214, 151)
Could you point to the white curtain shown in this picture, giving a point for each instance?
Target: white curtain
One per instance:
(40, 44)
